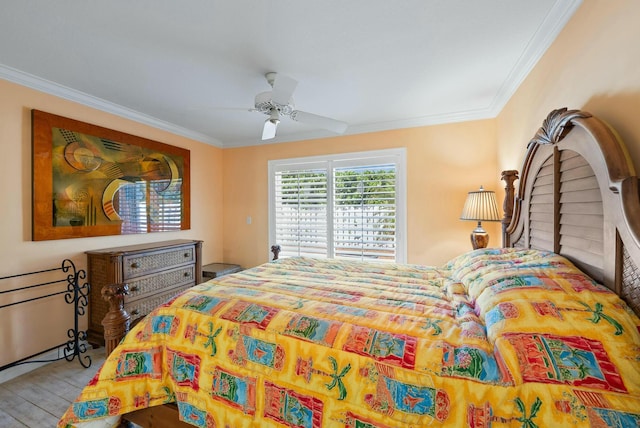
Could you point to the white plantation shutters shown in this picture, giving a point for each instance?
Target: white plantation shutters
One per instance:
(364, 212)
(343, 206)
(301, 212)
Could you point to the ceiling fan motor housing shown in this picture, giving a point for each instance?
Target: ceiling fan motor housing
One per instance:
(264, 104)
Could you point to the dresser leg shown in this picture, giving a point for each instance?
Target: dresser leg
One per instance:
(116, 321)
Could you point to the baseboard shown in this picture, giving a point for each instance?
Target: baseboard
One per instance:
(33, 363)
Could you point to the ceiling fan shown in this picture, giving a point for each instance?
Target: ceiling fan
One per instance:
(279, 102)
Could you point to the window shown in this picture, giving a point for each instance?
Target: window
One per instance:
(348, 206)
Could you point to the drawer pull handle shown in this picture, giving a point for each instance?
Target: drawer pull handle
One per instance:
(134, 288)
(186, 274)
(135, 265)
(135, 312)
(187, 254)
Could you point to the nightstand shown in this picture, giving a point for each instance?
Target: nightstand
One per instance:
(216, 270)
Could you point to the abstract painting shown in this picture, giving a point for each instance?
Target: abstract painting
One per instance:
(94, 181)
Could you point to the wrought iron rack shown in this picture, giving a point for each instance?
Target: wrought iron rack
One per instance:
(75, 294)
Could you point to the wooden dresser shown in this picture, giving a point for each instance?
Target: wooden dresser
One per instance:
(155, 272)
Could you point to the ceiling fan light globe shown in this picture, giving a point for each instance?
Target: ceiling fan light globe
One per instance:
(274, 116)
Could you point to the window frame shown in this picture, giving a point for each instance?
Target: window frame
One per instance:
(396, 156)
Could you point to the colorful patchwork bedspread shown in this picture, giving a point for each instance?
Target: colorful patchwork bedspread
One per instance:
(497, 337)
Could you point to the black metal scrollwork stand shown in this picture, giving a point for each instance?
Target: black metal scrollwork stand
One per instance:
(79, 296)
(76, 294)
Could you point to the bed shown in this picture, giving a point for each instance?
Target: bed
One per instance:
(541, 332)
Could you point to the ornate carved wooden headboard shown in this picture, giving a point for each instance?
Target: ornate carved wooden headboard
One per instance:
(578, 196)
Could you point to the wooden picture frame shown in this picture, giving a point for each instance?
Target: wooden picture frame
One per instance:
(94, 181)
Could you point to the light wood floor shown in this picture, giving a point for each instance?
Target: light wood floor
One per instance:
(39, 398)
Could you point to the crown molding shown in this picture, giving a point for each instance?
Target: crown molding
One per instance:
(547, 32)
(61, 91)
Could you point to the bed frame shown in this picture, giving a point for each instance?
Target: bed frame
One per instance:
(578, 196)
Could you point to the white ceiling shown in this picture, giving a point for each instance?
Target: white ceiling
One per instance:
(193, 67)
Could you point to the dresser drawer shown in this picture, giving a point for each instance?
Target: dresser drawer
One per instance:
(154, 283)
(142, 307)
(136, 265)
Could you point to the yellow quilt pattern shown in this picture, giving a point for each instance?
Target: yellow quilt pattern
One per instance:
(497, 337)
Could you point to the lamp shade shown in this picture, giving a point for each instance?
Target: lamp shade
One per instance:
(480, 205)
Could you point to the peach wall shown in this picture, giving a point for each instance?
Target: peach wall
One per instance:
(19, 254)
(593, 65)
(443, 163)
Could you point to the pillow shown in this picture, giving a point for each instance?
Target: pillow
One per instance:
(474, 255)
(467, 266)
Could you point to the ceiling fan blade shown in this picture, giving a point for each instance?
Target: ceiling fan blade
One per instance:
(334, 125)
(205, 109)
(269, 130)
(283, 87)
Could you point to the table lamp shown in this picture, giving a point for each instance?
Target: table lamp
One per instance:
(480, 206)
